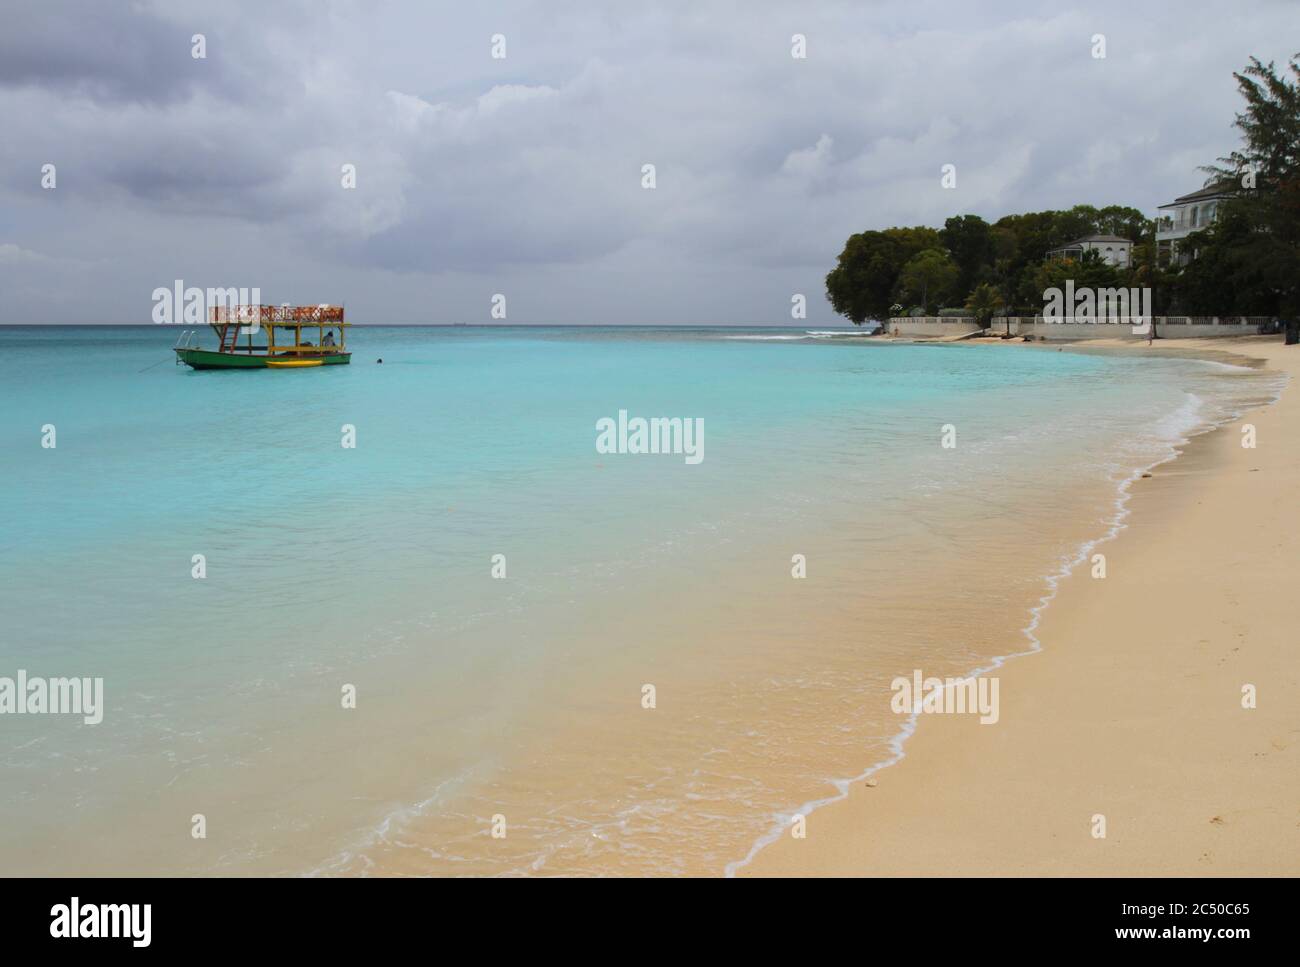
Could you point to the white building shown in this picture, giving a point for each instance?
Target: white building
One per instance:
(1113, 249)
(1185, 215)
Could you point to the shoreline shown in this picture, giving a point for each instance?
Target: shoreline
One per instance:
(899, 825)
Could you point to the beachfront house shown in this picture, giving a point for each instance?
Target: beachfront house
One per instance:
(1113, 249)
(1185, 215)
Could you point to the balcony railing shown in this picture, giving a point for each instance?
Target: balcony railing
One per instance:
(1182, 225)
(272, 314)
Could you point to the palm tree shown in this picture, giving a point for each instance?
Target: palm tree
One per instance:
(984, 301)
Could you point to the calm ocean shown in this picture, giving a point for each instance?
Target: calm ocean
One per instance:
(519, 699)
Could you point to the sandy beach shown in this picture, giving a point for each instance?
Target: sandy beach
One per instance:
(1133, 710)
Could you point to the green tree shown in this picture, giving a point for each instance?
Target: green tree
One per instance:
(1090, 271)
(928, 279)
(1008, 254)
(984, 301)
(862, 284)
(1262, 220)
(1123, 221)
(1145, 272)
(1226, 277)
(1079, 221)
(969, 240)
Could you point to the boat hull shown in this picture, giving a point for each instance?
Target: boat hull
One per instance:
(210, 359)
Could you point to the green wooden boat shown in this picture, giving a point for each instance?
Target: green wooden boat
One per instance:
(275, 324)
(212, 359)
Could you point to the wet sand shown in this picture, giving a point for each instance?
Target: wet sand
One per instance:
(1133, 711)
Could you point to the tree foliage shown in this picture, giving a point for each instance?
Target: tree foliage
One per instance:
(1249, 260)
(1232, 272)
(928, 279)
(984, 302)
(969, 240)
(1089, 271)
(862, 284)
(868, 276)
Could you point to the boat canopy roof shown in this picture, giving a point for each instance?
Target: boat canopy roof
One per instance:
(321, 315)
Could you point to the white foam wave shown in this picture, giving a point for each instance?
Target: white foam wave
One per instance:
(1173, 430)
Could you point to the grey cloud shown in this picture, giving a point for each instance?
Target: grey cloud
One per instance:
(105, 51)
(477, 175)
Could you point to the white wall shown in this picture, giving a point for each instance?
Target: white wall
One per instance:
(934, 326)
(1167, 327)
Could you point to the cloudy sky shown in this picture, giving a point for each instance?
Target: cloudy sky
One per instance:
(522, 175)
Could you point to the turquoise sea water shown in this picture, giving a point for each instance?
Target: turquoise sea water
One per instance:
(372, 567)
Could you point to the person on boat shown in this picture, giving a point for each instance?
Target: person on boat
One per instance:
(329, 338)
